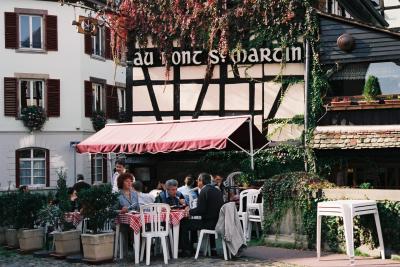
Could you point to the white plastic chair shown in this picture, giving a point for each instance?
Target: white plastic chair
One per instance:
(207, 244)
(155, 228)
(242, 213)
(347, 209)
(252, 209)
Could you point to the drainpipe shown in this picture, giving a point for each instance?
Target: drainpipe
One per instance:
(306, 90)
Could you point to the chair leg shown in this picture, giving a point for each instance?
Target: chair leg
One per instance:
(171, 241)
(165, 249)
(257, 231)
(121, 246)
(249, 230)
(142, 249)
(199, 245)
(348, 230)
(380, 238)
(207, 250)
(148, 249)
(319, 236)
(224, 249)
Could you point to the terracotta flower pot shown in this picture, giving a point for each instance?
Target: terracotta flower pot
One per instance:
(31, 239)
(98, 247)
(12, 238)
(68, 242)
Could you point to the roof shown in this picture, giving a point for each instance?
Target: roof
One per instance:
(360, 23)
(356, 137)
(365, 10)
(173, 136)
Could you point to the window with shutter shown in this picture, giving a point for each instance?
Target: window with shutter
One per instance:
(31, 93)
(11, 30)
(10, 97)
(98, 169)
(88, 44)
(108, 51)
(112, 102)
(51, 33)
(98, 43)
(53, 98)
(31, 32)
(88, 99)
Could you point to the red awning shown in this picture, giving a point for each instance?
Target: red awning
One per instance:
(173, 136)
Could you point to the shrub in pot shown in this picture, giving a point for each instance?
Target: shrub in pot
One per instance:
(66, 237)
(372, 89)
(3, 225)
(9, 219)
(28, 206)
(98, 204)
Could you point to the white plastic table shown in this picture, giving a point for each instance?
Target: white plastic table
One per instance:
(347, 209)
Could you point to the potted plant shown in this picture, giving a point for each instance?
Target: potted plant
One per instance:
(33, 117)
(3, 204)
(99, 120)
(371, 90)
(336, 102)
(66, 237)
(9, 220)
(98, 204)
(30, 237)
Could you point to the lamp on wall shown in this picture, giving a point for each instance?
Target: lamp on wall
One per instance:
(346, 42)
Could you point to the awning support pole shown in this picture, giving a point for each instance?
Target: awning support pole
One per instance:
(251, 144)
(241, 148)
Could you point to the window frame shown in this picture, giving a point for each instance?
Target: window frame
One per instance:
(98, 88)
(31, 98)
(32, 159)
(31, 48)
(101, 34)
(121, 92)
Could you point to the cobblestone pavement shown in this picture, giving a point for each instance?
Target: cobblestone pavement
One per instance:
(13, 259)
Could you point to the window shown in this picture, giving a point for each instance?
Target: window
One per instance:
(98, 42)
(98, 97)
(32, 167)
(31, 32)
(97, 169)
(121, 99)
(31, 93)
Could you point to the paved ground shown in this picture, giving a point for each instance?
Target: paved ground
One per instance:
(12, 259)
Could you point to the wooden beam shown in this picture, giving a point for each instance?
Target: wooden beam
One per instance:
(223, 75)
(275, 105)
(177, 77)
(152, 95)
(252, 92)
(201, 113)
(129, 75)
(203, 92)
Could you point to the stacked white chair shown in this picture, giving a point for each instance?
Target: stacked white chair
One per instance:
(207, 250)
(242, 213)
(255, 211)
(156, 228)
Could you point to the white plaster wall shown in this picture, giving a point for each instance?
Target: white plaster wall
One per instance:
(392, 16)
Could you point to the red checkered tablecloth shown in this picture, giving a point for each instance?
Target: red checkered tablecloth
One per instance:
(133, 219)
(73, 217)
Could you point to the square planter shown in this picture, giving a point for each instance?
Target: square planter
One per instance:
(98, 247)
(2, 236)
(31, 239)
(12, 238)
(68, 242)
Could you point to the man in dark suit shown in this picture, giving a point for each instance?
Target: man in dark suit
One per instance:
(209, 204)
(80, 184)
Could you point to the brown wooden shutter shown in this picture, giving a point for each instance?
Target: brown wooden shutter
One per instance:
(92, 169)
(51, 33)
(88, 44)
(88, 99)
(53, 98)
(11, 30)
(47, 155)
(17, 156)
(10, 97)
(111, 102)
(104, 168)
(108, 51)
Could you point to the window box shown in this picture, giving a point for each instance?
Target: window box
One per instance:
(336, 102)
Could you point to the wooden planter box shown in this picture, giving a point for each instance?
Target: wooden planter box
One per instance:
(340, 103)
(68, 242)
(12, 238)
(98, 247)
(31, 239)
(392, 101)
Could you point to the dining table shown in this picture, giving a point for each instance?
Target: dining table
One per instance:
(134, 221)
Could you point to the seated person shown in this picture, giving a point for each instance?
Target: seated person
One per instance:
(171, 196)
(128, 199)
(73, 199)
(144, 198)
(187, 189)
(209, 204)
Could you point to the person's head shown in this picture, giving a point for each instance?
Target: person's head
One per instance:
(171, 186)
(218, 179)
(80, 177)
(161, 185)
(189, 180)
(138, 186)
(125, 181)
(203, 179)
(120, 166)
(71, 193)
(23, 188)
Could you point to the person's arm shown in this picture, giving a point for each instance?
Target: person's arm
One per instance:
(201, 205)
(115, 184)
